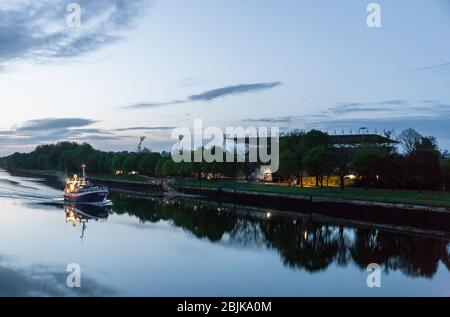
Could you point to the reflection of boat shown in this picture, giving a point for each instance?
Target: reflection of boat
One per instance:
(80, 215)
(80, 190)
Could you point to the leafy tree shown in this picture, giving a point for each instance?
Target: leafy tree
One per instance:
(160, 164)
(315, 138)
(342, 162)
(393, 170)
(130, 164)
(426, 169)
(169, 168)
(319, 162)
(365, 163)
(426, 144)
(292, 150)
(118, 161)
(148, 162)
(288, 164)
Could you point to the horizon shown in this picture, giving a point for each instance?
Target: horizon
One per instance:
(144, 149)
(131, 70)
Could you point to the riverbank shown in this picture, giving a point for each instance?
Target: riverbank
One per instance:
(435, 201)
(408, 200)
(405, 217)
(420, 219)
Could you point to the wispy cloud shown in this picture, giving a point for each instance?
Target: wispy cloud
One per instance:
(394, 102)
(49, 124)
(211, 95)
(51, 130)
(432, 67)
(362, 109)
(275, 120)
(430, 116)
(38, 31)
(385, 106)
(28, 134)
(144, 129)
(145, 105)
(233, 90)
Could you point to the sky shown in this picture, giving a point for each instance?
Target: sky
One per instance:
(143, 67)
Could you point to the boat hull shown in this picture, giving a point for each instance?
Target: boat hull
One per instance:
(92, 197)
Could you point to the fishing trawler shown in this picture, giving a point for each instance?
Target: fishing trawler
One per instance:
(81, 190)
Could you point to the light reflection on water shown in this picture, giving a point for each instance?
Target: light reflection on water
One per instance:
(144, 247)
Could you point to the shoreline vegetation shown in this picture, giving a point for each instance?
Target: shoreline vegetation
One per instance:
(351, 168)
(408, 199)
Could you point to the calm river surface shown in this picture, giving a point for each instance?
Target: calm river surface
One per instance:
(150, 248)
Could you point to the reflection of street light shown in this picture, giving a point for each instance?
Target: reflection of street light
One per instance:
(268, 215)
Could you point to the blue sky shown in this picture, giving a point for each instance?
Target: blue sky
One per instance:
(143, 67)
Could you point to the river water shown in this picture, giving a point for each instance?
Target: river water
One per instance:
(191, 248)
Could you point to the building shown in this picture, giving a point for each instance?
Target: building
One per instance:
(355, 140)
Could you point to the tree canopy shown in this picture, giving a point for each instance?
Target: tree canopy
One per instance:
(419, 166)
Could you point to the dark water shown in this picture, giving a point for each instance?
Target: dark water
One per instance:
(189, 248)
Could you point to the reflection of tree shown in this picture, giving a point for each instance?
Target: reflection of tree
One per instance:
(144, 210)
(201, 221)
(301, 243)
(414, 256)
(343, 255)
(305, 244)
(247, 231)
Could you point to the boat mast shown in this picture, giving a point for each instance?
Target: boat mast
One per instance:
(83, 171)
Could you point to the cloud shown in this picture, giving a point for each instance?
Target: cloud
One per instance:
(38, 30)
(395, 102)
(390, 109)
(383, 108)
(27, 135)
(52, 130)
(144, 128)
(145, 105)
(338, 110)
(232, 90)
(361, 107)
(211, 95)
(429, 116)
(432, 67)
(93, 131)
(286, 119)
(49, 124)
(43, 280)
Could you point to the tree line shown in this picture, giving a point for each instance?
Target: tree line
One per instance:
(69, 156)
(419, 166)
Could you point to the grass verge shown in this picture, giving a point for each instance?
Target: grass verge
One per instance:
(427, 198)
